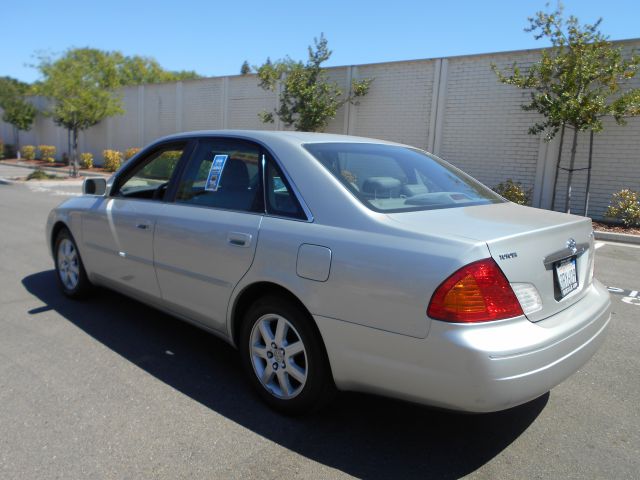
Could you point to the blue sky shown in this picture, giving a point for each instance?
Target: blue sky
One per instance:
(215, 37)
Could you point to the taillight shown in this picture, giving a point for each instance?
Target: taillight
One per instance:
(478, 292)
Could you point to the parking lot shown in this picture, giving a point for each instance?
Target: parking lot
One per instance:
(110, 388)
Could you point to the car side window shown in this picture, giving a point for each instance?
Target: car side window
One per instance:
(223, 173)
(149, 178)
(281, 200)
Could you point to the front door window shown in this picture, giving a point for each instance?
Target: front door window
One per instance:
(149, 179)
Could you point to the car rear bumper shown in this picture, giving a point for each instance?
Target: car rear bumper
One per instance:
(475, 368)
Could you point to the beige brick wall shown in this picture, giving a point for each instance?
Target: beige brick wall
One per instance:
(484, 130)
(202, 104)
(245, 100)
(398, 105)
(124, 128)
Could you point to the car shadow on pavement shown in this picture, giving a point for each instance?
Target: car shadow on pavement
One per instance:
(362, 435)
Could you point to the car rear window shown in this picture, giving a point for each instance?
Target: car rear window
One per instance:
(389, 178)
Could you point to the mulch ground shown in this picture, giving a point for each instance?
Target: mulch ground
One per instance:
(605, 227)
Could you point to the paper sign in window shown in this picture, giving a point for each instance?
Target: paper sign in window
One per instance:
(215, 173)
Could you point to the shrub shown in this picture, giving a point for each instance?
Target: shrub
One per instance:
(513, 191)
(28, 152)
(163, 166)
(112, 160)
(1, 149)
(130, 152)
(625, 206)
(47, 153)
(86, 160)
(38, 174)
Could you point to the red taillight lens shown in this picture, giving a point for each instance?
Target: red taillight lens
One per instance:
(478, 292)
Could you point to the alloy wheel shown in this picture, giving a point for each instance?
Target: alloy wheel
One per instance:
(278, 356)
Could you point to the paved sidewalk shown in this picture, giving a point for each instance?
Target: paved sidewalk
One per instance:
(11, 172)
(65, 186)
(56, 170)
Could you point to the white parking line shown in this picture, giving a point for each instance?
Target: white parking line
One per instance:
(53, 191)
(627, 296)
(599, 245)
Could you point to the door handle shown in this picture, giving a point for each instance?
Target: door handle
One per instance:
(239, 239)
(143, 224)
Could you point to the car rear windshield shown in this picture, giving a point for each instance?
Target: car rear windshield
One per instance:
(389, 178)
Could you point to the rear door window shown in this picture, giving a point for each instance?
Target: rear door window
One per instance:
(223, 173)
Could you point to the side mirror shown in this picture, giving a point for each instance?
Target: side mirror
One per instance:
(94, 186)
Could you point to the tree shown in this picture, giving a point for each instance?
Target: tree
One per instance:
(80, 86)
(16, 108)
(138, 70)
(308, 101)
(576, 83)
(245, 69)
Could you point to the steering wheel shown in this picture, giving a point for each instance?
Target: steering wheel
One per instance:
(159, 192)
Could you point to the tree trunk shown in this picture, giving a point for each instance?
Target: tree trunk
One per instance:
(586, 195)
(68, 147)
(567, 200)
(74, 154)
(555, 180)
(17, 130)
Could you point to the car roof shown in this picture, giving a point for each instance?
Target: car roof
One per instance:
(291, 137)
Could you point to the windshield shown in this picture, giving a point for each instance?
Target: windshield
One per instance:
(389, 178)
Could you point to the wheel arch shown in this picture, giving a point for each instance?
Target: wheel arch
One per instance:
(55, 230)
(257, 290)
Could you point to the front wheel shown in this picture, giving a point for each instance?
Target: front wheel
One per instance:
(70, 271)
(284, 357)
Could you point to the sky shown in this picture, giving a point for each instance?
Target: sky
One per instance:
(215, 37)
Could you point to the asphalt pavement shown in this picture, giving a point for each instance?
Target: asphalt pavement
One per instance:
(110, 388)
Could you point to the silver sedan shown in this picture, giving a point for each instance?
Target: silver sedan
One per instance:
(342, 263)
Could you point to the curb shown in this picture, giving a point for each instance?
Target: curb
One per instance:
(617, 237)
(57, 170)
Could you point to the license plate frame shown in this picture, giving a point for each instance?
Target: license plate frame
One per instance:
(565, 276)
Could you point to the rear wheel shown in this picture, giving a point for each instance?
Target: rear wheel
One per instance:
(284, 358)
(70, 272)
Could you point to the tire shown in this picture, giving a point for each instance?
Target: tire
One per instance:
(70, 273)
(294, 376)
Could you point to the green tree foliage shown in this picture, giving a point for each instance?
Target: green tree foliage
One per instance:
(245, 69)
(576, 82)
(80, 86)
(137, 70)
(308, 100)
(17, 110)
(513, 191)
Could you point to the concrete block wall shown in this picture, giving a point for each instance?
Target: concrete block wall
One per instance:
(202, 104)
(454, 107)
(484, 129)
(616, 165)
(398, 106)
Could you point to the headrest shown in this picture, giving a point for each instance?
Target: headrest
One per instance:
(381, 185)
(235, 174)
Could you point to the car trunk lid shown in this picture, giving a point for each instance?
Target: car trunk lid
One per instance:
(531, 246)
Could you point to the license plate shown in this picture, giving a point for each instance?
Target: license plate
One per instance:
(567, 276)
